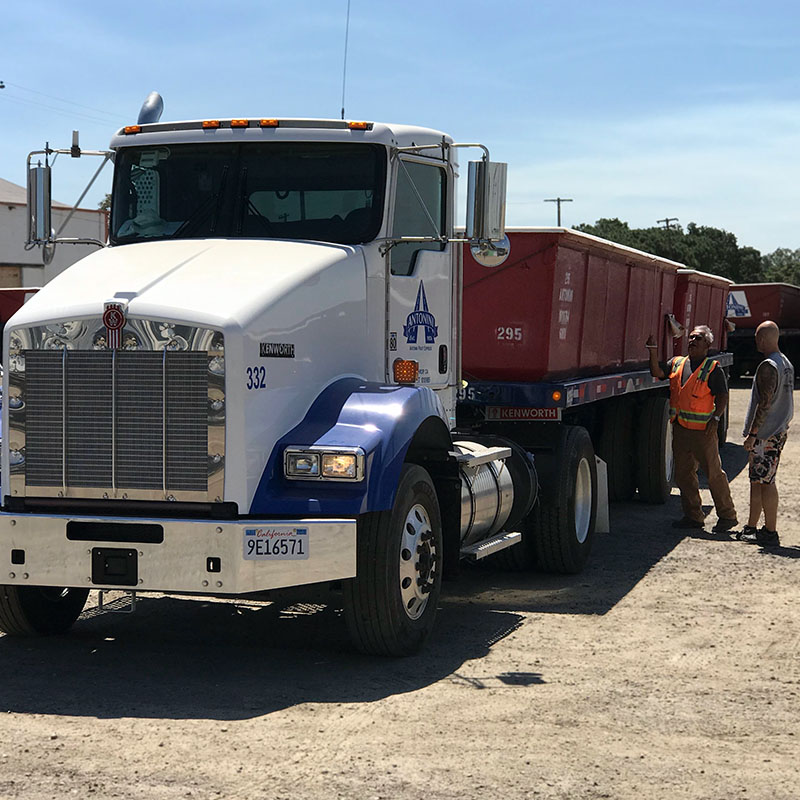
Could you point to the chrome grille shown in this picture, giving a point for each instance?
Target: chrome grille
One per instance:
(118, 419)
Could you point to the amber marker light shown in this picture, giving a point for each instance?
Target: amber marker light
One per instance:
(405, 370)
(132, 128)
(211, 123)
(556, 396)
(358, 126)
(240, 123)
(268, 123)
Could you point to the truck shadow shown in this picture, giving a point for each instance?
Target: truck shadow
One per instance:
(191, 659)
(179, 658)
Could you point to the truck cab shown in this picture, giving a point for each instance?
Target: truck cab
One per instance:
(253, 385)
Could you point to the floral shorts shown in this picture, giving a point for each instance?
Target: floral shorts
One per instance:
(765, 457)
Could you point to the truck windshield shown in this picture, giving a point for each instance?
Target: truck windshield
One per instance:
(289, 190)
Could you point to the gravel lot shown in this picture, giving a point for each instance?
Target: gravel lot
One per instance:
(669, 669)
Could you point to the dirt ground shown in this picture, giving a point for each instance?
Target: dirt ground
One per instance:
(669, 669)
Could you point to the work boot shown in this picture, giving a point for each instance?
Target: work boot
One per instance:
(762, 537)
(686, 523)
(724, 525)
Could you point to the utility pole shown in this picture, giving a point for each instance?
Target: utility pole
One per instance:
(668, 227)
(559, 201)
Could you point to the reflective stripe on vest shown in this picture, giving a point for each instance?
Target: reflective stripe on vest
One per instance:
(691, 404)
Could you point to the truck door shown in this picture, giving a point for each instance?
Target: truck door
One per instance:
(420, 283)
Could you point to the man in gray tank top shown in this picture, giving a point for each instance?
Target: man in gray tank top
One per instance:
(765, 429)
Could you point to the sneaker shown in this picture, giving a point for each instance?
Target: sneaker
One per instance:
(686, 522)
(762, 537)
(724, 525)
(747, 530)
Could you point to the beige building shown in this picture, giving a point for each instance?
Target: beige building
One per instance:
(21, 267)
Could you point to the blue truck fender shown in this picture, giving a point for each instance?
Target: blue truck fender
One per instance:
(382, 420)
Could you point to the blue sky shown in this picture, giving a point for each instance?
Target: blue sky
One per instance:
(637, 110)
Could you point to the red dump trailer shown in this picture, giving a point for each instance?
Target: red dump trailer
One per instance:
(700, 299)
(750, 304)
(555, 337)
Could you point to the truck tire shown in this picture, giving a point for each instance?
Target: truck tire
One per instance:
(390, 605)
(565, 517)
(39, 610)
(654, 464)
(616, 447)
(520, 557)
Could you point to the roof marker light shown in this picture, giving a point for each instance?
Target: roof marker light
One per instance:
(240, 123)
(268, 123)
(358, 126)
(211, 123)
(132, 128)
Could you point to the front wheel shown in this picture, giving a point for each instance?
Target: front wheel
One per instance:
(39, 610)
(390, 605)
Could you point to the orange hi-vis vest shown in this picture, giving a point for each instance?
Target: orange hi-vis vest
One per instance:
(692, 404)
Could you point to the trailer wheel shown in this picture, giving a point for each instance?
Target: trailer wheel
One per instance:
(616, 448)
(565, 518)
(654, 463)
(39, 610)
(390, 605)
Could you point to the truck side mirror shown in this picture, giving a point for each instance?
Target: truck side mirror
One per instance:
(486, 212)
(39, 218)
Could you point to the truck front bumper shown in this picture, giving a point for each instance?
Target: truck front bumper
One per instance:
(174, 555)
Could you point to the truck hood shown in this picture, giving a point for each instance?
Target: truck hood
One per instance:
(211, 282)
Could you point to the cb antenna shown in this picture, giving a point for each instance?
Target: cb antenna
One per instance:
(344, 66)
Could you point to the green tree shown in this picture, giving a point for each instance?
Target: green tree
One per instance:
(782, 266)
(105, 203)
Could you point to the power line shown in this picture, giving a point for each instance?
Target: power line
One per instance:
(667, 222)
(51, 109)
(62, 100)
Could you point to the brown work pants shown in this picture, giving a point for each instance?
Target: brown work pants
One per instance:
(700, 448)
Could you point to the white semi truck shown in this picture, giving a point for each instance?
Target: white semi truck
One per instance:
(254, 385)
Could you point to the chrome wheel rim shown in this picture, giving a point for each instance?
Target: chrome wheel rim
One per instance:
(669, 458)
(583, 500)
(418, 558)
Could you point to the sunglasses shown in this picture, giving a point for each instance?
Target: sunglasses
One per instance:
(696, 336)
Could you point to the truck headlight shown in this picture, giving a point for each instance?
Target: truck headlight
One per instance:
(322, 463)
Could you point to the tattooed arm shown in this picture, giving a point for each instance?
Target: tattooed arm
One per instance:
(767, 381)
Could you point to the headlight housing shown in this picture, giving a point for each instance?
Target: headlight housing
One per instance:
(323, 463)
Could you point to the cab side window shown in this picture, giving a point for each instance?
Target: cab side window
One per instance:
(420, 189)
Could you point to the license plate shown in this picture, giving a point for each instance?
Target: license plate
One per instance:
(276, 543)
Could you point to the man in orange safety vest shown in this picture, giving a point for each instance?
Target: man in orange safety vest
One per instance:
(698, 397)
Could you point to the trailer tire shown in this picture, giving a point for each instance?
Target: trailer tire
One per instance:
(616, 448)
(39, 610)
(654, 463)
(390, 606)
(565, 517)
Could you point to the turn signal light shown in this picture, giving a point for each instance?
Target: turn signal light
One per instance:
(405, 370)
(211, 123)
(556, 396)
(133, 128)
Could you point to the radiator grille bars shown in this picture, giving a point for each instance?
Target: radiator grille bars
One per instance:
(117, 419)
